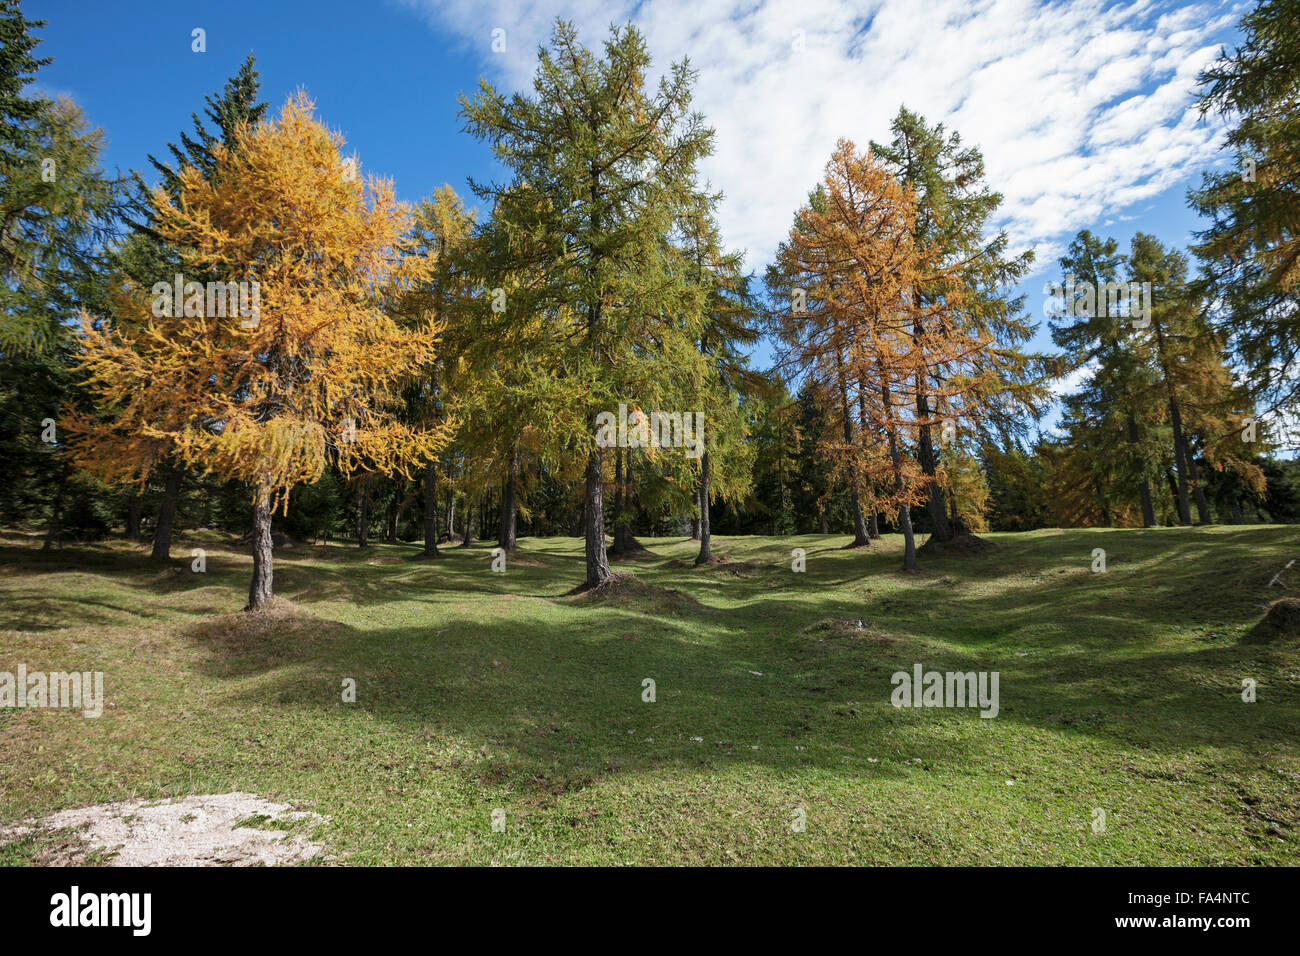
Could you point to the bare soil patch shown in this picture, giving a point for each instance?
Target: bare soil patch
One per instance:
(224, 829)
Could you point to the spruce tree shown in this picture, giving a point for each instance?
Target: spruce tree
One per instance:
(1092, 330)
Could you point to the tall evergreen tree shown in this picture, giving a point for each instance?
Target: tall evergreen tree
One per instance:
(238, 105)
(1250, 251)
(1195, 382)
(728, 327)
(442, 233)
(58, 209)
(603, 169)
(1092, 330)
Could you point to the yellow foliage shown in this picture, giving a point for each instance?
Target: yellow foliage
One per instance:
(266, 398)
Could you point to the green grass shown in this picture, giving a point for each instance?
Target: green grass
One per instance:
(1119, 691)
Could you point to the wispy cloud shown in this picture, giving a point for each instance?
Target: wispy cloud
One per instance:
(1082, 109)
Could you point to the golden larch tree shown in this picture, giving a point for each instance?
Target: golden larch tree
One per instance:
(309, 366)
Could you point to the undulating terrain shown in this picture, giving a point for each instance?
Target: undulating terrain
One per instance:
(479, 691)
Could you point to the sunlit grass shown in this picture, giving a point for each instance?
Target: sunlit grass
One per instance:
(1119, 692)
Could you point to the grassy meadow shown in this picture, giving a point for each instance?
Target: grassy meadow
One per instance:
(1120, 691)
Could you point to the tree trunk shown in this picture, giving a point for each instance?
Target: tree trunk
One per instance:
(860, 537)
(259, 592)
(134, 509)
(940, 529)
(1144, 486)
(825, 527)
(904, 511)
(56, 514)
(509, 509)
(430, 511)
(597, 560)
(363, 514)
(705, 534)
(468, 537)
(622, 533)
(959, 528)
(1171, 477)
(1185, 460)
(1180, 463)
(390, 534)
(1198, 490)
(909, 540)
(451, 512)
(162, 535)
(873, 529)
(695, 517)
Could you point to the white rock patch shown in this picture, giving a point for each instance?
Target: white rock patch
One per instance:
(191, 831)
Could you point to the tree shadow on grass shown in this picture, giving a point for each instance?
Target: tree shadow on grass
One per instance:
(553, 700)
(558, 704)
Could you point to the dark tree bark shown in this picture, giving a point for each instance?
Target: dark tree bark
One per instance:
(959, 527)
(904, 512)
(162, 535)
(509, 505)
(1172, 477)
(909, 539)
(695, 518)
(623, 543)
(134, 510)
(1144, 486)
(1184, 459)
(451, 513)
(860, 537)
(826, 527)
(873, 530)
(468, 537)
(259, 592)
(940, 528)
(363, 514)
(390, 534)
(431, 511)
(1198, 490)
(56, 514)
(706, 539)
(1180, 463)
(597, 559)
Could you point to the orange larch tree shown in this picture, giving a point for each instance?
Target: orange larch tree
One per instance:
(858, 329)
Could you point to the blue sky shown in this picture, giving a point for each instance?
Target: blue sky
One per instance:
(1082, 109)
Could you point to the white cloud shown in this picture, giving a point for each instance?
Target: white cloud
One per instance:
(1073, 381)
(1081, 108)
